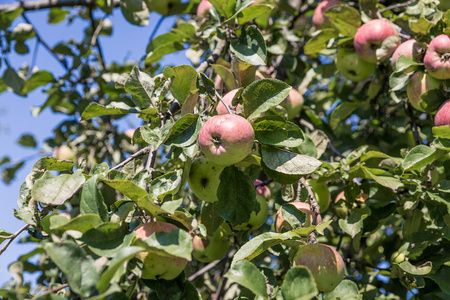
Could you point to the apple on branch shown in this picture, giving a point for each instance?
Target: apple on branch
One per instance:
(318, 19)
(437, 57)
(293, 103)
(352, 66)
(410, 49)
(203, 178)
(64, 152)
(442, 117)
(418, 84)
(213, 247)
(228, 98)
(203, 8)
(281, 223)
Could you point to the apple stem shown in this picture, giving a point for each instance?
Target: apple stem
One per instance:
(223, 102)
(314, 207)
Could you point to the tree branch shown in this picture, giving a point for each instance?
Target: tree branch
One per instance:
(213, 57)
(94, 39)
(51, 291)
(397, 6)
(141, 152)
(44, 4)
(12, 237)
(314, 207)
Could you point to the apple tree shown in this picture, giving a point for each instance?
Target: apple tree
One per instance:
(304, 153)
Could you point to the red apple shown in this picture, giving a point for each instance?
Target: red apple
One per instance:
(409, 49)
(352, 66)
(418, 84)
(325, 264)
(226, 139)
(304, 207)
(443, 114)
(437, 58)
(203, 8)
(376, 36)
(293, 103)
(157, 266)
(318, 18)
(228, 98)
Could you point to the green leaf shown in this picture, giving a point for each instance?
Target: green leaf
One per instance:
(250, 47)
(55, 190)
(345, 18)
(27, 140)
(299, 284)
(421, 25)
(387, 181)
(236, 196)
(442, 131)
(156, 136)
(185, 131)
(227, 77)
(421, 270)
(184, 81)
(107, 239)
(8, 174)
(163, 44)
(206, 87)
(276, 131)
(354, 223)
(80, 270)
(419, 157)
(13, 81)
(342, 112)
(262, 95)
(81, 223)
(40, 78)
(141, 87)
(319, 40)
(92, 201)
(23, 32)
(247, 274)
(135, 12)
(224, 7)
(244, 73)
(8, 16)
(4, 233)
(57, 15)
(251, 12)
(167, 184)
(441, 278)
(406, 65)
(347, 289)
(114, 108)
(398, 80)
(177, 243)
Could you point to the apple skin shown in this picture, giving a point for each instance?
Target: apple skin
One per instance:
(203, 8)
(204, 178)
(293, 103)
(410, 49)
(321, 193)
(64, 153)
(352, 66)
(130, 132)
(226, 139)
(281, 223)
(213, 247)
(340, 208)
(442, 117)
(158, 266)
(419, 83)
(325, 264)
(437, 57)
(318, 19)
(370, 36)
(228, 98)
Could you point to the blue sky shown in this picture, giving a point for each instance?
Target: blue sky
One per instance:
(127, 42)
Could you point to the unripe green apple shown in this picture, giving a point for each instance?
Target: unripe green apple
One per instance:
(397, 257)
(418, 84)
(159, 266)
(325, 264)
(352, 66)
(304, 207)
(293, 103)
(213, 247)
(203, 178)
(321, 193)
(64, 153)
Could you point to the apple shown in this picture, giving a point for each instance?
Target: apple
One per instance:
(437, 57)
(376, 36)
(325, 264)
(226, 139)
(318, 18)
(228, 98)
(203, 8)
(213, 247)
(340, 207)
(281, 223)
(409, 49)
(293, 103)
(443, 115)
(203, 178)
(352, 66)
(257, 219)
(158, 266)
(321, 193)
(418, 84)
(130, 132)
(64, 152)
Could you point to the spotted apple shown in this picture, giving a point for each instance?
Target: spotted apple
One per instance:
(203, 178)
(352, 66)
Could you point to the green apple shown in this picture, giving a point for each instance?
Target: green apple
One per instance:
(293, 103)
(213, 247)
(352, 66)
(159, 266)
(418, 84)
(64, 153)
(204, 178)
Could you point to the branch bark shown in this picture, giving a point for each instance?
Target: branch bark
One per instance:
(314, 207)
(12, 237)
(44, 4)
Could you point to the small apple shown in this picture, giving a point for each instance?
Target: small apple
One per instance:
(437, 57)
(203, 8)
(293, 103)
(409, 49)
(325, 264)
(213, 247)
(226, 139)
(442, 117)
(352, 66)
(304, 207)
(376, 37)
(64, 153)
(321, 193)
(418, 84)
(228, 98)
(130, 132)
(203, 178)
(319, 20)
(158, 266)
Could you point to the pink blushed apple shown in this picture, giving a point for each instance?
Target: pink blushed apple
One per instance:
(410, 49)
(304, 207)
(437, 58)
(442, 117)
(228, 98)
(226, 139)
(318, 18)
(293, 103)
(418, 84)
(376, 40)
(203, 8)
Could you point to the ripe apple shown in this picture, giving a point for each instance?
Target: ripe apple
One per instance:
(437, 57)
(420, 83)
(203, 8)
(158, 266)
(443, 115)
(228, 98)
(213, 247)
(340, 207)
(376, 36)
(352, 66)
(226, 139)
(410, 49)
(293, 103)
(64, 153)
(281, 223)
(321, 193)
(325, 264)
(203, 178)
(318, 18)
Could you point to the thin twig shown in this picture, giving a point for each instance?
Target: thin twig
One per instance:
(51, 291)
(397, 6)
(222, 282)
(224, 103)
(330, 144)
(141, 152)
(213, 57)
(314, 207)
(210, 266)
(12, 237)
(44, 4)
(155, 30)
(94, 39)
